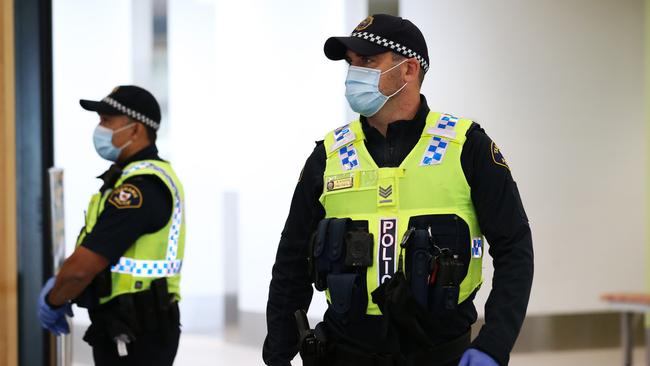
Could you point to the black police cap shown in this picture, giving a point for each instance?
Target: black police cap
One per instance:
(380, 33)
(129, 100)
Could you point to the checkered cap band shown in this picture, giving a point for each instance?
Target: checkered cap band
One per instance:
(435, 152)
(170, 266)
(396, 47)
(131, 113)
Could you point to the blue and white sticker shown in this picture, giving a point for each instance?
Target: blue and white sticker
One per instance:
(349, 158)
(387, 249)
(477, 247)
(342, 136)
(435, 151)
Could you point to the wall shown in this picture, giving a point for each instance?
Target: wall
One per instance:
(8, 270)
(559, 86)
(250, 92)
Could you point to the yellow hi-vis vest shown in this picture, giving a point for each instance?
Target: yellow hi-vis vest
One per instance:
(430, 181)
(154, 255)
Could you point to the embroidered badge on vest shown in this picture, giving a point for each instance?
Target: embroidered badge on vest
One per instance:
(342, 136)
(348, 156)
(126, 196)
(435, 152)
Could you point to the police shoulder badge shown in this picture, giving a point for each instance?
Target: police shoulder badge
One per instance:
(364, 24)
(497, 157)
(126, 196)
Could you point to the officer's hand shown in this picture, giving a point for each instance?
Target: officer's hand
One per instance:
(474, 357)
(53, 319)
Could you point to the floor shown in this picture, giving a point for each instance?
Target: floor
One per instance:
(202, 350)
(199, 350)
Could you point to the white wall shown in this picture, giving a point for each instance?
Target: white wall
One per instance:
(91, 55)
(559, 86)
(276, 95)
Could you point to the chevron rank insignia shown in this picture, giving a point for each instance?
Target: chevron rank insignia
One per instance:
(126, 196)
(386, 193)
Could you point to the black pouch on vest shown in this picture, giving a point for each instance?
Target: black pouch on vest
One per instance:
(321, 263)
(450, 237)
(336, 244)
(359, 245)
(347, 286)
(418, 265)
(451, 273)
(347, 295)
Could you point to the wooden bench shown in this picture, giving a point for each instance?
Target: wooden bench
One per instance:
(628, 304)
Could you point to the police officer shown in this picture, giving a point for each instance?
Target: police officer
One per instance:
(389, 218)
(126, 267)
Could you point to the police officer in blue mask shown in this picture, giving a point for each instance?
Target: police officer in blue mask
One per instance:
(390, 216)
(126, 266)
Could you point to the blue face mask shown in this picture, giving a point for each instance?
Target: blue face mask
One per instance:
(103, 140)
(362, 90)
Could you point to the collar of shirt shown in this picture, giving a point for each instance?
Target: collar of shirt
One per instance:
(401, 137)
(115, 171)
(148, 153)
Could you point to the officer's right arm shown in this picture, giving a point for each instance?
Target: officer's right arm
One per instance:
(290, 287)
(75, 274)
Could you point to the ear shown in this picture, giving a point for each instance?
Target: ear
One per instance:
(139, 130)
(412, 70)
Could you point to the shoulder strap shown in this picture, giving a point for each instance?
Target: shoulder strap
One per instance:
(343, 136)
(446, 126)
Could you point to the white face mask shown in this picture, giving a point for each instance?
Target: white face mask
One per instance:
(362, 89)
(103, 140)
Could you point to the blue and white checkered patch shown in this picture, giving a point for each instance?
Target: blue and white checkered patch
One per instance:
(435, 152)
(349, 157)
(147, 268)
(477, 247)
(339, 133)
(342, 136)
(156, 268)
(447, 121)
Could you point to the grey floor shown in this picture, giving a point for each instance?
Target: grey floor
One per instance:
(203, 350)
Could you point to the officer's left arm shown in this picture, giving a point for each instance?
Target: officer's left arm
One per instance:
(504, 223)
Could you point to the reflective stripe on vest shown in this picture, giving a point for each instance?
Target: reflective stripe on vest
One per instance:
(157, 268)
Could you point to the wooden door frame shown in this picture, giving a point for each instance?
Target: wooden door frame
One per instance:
(8, 259)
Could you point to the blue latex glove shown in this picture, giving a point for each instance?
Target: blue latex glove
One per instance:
(53, 319)
(474, 357)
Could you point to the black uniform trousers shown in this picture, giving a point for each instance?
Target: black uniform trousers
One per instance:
(148, 349)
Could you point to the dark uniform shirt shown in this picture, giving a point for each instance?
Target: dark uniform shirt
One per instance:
(123, 221)
(501, 217)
